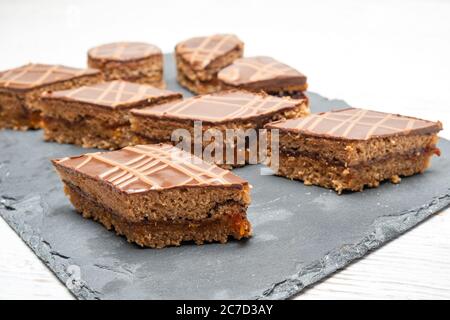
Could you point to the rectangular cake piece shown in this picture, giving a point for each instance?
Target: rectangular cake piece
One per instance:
(97, 116)
(218, 114)
(130, 61)
(200, 59)
(157, 195)
(349, 149)
(263, 74)
(21, 88)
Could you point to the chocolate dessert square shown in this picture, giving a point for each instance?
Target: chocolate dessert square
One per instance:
(218, 114)
(263, 74)
(349, 149)
(130, 61)
(200, 59)
(97, 115)
(21, 88)
(157, 195)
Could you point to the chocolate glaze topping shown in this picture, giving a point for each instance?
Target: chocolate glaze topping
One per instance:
(144, 168)
(32, 76)
(356, 124)
(259, 72)
(220, 107)
(201, 51)
(124, 51)
(113, 94)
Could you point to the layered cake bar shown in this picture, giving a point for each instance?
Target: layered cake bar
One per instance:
(230, 110)
(200, 59)
(349, 149)
(263, 74)
(157, 195)
(21, 88)
(97, 116)
(130, 61)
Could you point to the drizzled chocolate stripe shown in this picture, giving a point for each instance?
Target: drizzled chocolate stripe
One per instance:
(220, 107)
(357, 124)
(150, 167)
(201, 51)
(123, 51)
(113, 94)
(253, 69)
(34, 75)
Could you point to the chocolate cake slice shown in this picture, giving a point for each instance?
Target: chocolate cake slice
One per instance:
(199, 60)
(349, 149)
(263, 74)
(20, 89)
(222, 113)
(97, 116)
(157, 195)
(130, 61)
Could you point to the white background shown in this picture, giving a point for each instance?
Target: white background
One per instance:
(386, 55)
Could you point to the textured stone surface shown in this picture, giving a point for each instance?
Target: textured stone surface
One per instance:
(302, 234)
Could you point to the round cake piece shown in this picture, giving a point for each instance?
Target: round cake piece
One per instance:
(130, 61)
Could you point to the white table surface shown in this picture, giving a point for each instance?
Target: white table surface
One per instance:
(387, 55)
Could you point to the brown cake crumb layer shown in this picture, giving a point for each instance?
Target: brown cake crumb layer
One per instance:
(157, 195)
(200, 59)
(198, 86)
(21, 88)
(14, 113)
(220, 111)
(87, 133)
(129, 61)
(159, 234)
(354, 152)
(97, 116)
(316, 171)
(352, 148)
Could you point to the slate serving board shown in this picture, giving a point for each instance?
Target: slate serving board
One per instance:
(301, 234)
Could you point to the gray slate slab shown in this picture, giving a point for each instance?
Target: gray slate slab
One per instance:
(301, 234)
